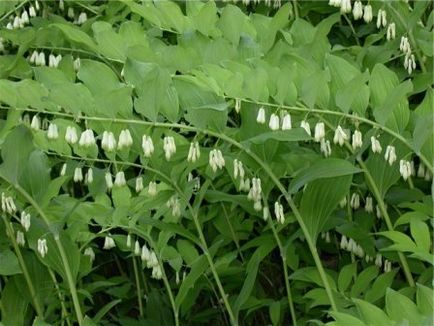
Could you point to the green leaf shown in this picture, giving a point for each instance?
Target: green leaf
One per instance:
(425, 298)
(372, 315)
(296, 134)
(400, 308)
(274, 311)
(346, 275)
(97, 77)
(188, 251)
(363, 280)
(378, 288)
(110, 44)
(421, 235)
(36, 175)
(324, 168)
(326, 194)
(76, 35)
(388, 98)
(14, 306)
(104, 310)
(8, 263)
(344, 319)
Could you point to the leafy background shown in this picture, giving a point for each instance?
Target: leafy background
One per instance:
(180, 69)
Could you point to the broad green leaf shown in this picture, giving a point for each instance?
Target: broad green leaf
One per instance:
(274, 311)
(343, 319)
(379, 286)
(363, 280)
(14, 306)
(187, 250)
(110, 44)
(400, 308)
(36, 175)
(372, 315)
(97, 77)
(296, 134)
(347, 273)
(76, 35)
(421, 235)
(324, 168)
(8, 263)
(425, 298)
(388, 98)
(311, 275)
(326, 194)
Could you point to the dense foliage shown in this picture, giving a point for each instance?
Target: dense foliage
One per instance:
(216, 163)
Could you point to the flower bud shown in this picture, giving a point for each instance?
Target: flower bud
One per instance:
(375, 145)
(36, 123)
(125, 139)
(52, 132)
(21, 241)
(390, 155)
(357, 139)
(137, 249)
(25, 220)
(260, 118)
(152, 188)
(305, 125)
(319, 131)
(108, 180)
(42, 247)
(147, 146)
(340, 136)
(90, 253)
(109, 243)
(78, 175)
(286, 122)
(108, 142)
(120, 179)
(88, 178)
(71, 136)
(274, 122)
(139, 184)
(357, 10)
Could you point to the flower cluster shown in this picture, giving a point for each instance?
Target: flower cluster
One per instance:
(278, 211)
(8, 204)
(216, 160)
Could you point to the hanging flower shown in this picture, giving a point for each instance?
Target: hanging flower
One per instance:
(42, 247)
(125, 139)
(375, 145)
(78, 174)
(306, 126)
(260, 118)
(274, 122)
(340, 136)
(319, 131)
(147, 146)
(390, 155)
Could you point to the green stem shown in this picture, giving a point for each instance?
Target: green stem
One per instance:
(66, 267)
(61, 297)
(36, 304)
(285, 273)
(426, 162)
(381, 205)
(294, 4)
(386, 216)
(139, 289)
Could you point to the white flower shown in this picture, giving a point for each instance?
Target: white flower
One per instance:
(152, 188)
(369, 206)
(344, 243)
(87, 138)
(82, 18)
(137, 249)
(90, 253)
(405, 169)
(21, 241)
(9, 26)
(390, 155)
(286, 122)
(25, 17)
(71, 136)
(357, 139)
(357, 10)
(108, 180)
(325, 147)
(32, 12)
(78, 175)
(17, 22)
(61, 5)
(152, 261)
(409, 63)
(36, 123)
(88, 178)
(63, 170)
(147, 146)
(169, 147)
(52, 61)
(278, 211)
(305, 125)
(25, 220)
(70, 12)
(8, 204)
(40, 61)
(378, 211)
(34, 57)
(37, 5)
(238, 169)
(367, 15)
(109, 243)
(274, 122)
(256, 190)
(355, 201)
(139, 184)
(260, 118)
(381, 18)
(265, 213)
(378, 260)
(346, 6)
(145, 255)
(387, 266)
(319, 131)
(120, 179)
(237, 105)
(335, 3)
(77, 64)
(125, 139)
(391, 32)
(404, 45)
(108, 142)
(257, 206)
(52, 132)
(421, 171)
(42, 247)
(194, 152)
(216, 160)
(157, 273)
(245, 185)
(343, 202)
(375, 145)
(340, 136)
(129, 240)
